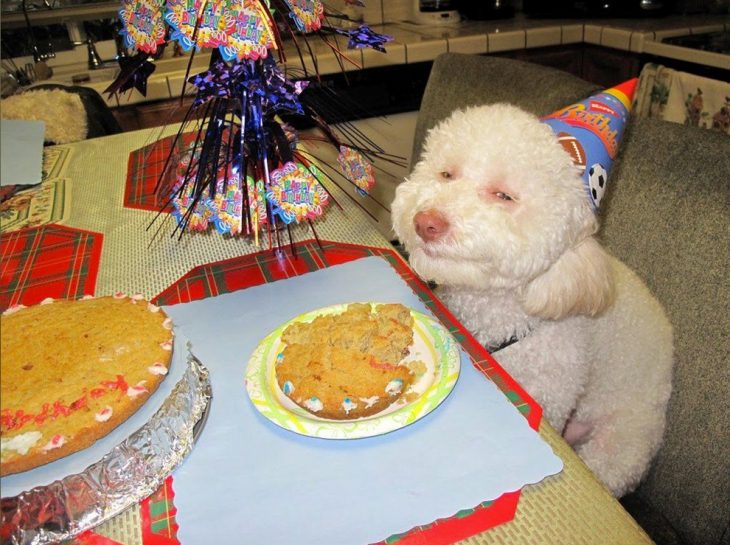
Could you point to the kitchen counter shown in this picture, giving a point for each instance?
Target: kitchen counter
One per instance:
(415, 43)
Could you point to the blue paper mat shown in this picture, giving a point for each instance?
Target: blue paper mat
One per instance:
(249, 481)
(21, 152)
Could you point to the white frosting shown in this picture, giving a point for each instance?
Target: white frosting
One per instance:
(119, 295)
(369, 401)
(104, 414)
(138, 389)
(348, 405)
(314, 404)
(13, 309)
(47, 301)
(57, 441)
(153, 308)
(21, 443)
(167, 345)
(157, 368)
(167, 323)
(394, 386)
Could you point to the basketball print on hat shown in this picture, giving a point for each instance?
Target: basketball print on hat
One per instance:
(590, 132)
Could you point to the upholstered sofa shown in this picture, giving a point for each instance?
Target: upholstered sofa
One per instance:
(667, 215)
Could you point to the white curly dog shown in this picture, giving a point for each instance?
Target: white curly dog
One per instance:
(497, 215)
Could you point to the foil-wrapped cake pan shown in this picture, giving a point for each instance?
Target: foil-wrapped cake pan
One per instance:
(130, 472)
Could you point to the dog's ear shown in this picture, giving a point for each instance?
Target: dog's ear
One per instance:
(580, 282)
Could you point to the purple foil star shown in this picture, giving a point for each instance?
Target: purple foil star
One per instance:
(262, 78)
(133, 74)
(363, 36)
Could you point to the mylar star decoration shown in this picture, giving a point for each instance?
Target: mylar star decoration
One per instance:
(364, 36)
(224, 81)
(134, 73)
(246, 171)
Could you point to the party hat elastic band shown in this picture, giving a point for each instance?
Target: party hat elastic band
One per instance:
(591, 131)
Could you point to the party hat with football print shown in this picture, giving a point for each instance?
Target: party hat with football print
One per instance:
(591, 130)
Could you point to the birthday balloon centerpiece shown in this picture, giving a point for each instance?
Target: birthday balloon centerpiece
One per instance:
(244, 171)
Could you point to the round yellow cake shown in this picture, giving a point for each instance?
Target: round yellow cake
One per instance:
(72, 371)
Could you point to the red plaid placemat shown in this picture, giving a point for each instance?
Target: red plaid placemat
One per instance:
(263, 267)
(260, 268)
(143, 170)
(48, 261)
(158, 517)
(158, 522)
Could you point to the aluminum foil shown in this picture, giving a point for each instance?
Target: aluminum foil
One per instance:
(132, 471)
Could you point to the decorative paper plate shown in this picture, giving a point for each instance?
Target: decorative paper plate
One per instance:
(433, 345)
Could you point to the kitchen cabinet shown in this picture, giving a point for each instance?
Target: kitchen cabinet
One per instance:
(566, 58)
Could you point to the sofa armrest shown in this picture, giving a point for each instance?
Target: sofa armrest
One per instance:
(667, 216)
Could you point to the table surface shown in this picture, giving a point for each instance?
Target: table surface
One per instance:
(571, 507)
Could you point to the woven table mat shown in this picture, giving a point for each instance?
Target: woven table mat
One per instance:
(569, 508)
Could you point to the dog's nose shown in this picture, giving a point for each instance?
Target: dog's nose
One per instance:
(430, 225)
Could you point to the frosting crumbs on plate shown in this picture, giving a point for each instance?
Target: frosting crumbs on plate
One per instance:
(72, 371)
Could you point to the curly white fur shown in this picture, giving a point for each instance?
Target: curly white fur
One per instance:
(497, 215)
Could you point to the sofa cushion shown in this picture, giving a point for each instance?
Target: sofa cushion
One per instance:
(667, 215)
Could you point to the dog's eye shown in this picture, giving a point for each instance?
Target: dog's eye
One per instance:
(446, 175)
(503, 196)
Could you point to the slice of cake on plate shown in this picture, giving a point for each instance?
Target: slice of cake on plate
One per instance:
(347, 365)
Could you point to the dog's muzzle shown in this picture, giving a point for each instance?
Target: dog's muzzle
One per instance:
(430, 225)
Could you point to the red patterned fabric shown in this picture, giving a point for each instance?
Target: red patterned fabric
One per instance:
(48, 261)
(143, 171)
(158, 517)
(90, 538)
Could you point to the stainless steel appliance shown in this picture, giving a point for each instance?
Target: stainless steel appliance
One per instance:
(435, 12)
